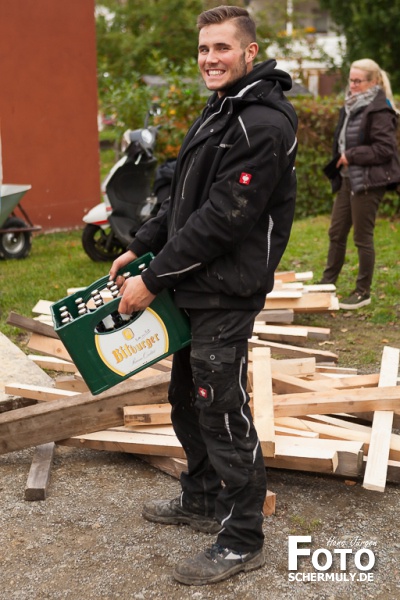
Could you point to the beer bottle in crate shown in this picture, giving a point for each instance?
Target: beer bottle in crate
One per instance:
(106, 359)
(119, 319)
(81, 307)
(107, 324)
(65, 315)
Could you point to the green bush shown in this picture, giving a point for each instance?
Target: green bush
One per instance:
(317, 121)
(181, 103)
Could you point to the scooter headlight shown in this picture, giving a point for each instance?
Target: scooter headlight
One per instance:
(147, 136)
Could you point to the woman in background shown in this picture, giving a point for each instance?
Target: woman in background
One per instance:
(368, 164)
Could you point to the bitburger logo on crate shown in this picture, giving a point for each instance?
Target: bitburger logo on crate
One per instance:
(347, 560)
(126, 349)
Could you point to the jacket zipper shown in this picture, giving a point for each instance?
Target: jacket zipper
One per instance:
(187, 174)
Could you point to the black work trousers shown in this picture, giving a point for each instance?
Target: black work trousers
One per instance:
(358, 210)
(226, 475)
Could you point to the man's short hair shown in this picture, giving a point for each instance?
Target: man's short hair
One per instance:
(245, 25)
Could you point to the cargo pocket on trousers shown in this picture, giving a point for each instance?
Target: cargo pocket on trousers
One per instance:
(216, 379)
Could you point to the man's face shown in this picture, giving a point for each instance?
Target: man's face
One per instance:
(222, 60)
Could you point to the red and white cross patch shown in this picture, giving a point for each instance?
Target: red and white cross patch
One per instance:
(202, 392)
(245, 178)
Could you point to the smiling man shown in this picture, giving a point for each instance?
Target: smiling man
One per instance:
(218, 240)
(225, 56)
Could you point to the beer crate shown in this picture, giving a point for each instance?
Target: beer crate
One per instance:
(105, 358)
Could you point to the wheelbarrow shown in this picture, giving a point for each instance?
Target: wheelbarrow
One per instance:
(15, 233)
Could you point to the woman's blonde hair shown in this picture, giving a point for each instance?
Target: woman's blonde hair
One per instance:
(375, 73)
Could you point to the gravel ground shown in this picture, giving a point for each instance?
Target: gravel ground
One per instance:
(88, 541)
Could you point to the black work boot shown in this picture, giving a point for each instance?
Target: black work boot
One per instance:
(170, 512)
(216, 564)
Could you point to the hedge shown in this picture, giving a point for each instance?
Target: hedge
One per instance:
(317, 122)
(182, 103)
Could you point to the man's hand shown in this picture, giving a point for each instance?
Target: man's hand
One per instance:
(135, 296)
(120, 262)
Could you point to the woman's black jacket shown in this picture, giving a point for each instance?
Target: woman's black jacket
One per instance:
(373, 154)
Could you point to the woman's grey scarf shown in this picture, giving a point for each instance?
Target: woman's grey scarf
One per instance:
(352, 104)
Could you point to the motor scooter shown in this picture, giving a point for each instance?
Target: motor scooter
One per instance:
(132, 193)
(15, 233)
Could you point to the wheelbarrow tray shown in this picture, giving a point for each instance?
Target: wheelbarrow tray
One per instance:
(10, 195)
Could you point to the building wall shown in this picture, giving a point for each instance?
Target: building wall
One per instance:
(48, 107)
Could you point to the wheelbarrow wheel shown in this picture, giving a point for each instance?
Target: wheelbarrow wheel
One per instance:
(101, 245)
(15, 244)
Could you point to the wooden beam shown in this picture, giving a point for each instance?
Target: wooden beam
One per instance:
(263, 403)
(279, 315)
(369, 417)
(39, 473)
(281, 333)
(267, 331)
(70, 383)
(337, 401)
(288, 384)
(285, 276)
(42, 307)
(80, 414)
(37, 392)
(32, 325)
(311, 302)
(51, 363)
(295, 432)
(293, 276)
(280, 294)
(378, 454)
(131, 441)
(49, 346)
(343, 383)
(334, 370)
(269, 506)
(317, 333)
(346, 430)
(152, 414)
(319, 287)
(300, 454)
(292, 455)
(293, 351)
(299, 367)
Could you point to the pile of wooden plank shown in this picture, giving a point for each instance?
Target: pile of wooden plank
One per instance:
(310, 414)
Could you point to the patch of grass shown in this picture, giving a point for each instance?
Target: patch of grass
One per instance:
(58, 262)
(307, 251)
(108, 159)
(303, 525)
(358, 336)
(109, 134)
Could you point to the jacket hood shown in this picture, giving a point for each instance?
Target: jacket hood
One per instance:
(264, 85)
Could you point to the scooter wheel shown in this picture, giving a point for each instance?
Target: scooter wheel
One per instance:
(15, 244)
(101, 245)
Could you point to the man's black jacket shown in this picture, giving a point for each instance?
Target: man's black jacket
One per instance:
(221, 235)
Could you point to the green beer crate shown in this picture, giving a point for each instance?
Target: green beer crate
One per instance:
(105, 358)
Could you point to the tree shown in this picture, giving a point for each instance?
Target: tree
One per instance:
(133, 35)
(136, 36)
(372, 31)
(159, 37)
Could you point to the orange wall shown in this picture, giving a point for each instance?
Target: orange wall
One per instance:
(48, 107)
